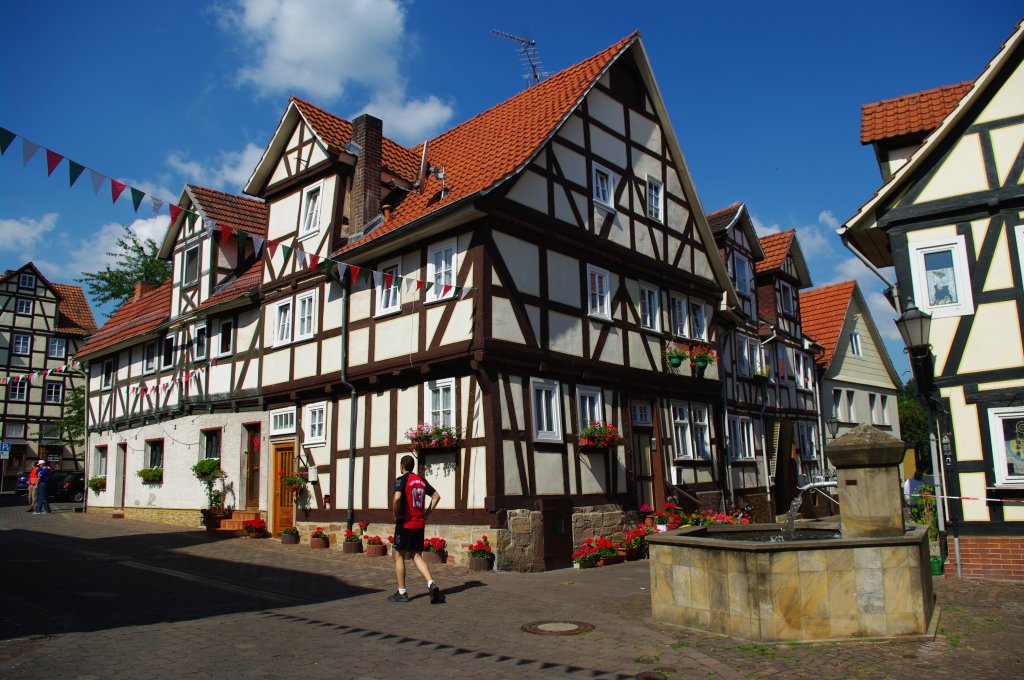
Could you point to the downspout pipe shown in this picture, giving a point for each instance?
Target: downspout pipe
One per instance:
(350, 514)
(764, 428)
(730, 336)
(844, 237)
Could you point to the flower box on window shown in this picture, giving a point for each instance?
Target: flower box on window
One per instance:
(432, 436)
(599, 435)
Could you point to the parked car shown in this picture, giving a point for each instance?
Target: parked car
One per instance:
(67, 485)
(21, 484)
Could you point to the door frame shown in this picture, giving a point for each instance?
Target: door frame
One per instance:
(282, 501)
(253, 434)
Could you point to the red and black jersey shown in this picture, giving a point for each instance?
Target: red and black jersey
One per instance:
(415, 490)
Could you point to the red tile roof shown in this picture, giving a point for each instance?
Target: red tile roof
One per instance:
(487, 149)
(75, 316)
(133, 318)
(248, 281)
(336, 132)
(776, 247)
(919, 112)
(720, 219)
(238, 212)
(823, 312)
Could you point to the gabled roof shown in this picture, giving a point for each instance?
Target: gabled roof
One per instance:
(484, 151)
(861, 229)
(823, 313)
(133, 319)
(247, 282)
(920, 112)
(241, 213)
(776, 247)
(722, 220)
(75, 316)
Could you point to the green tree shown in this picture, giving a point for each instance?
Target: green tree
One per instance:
(134, 260)
(913, 420)
(72, 425)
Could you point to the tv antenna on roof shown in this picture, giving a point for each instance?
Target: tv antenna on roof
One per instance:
(527, 56)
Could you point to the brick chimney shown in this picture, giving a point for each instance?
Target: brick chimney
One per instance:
(141, 288)
(366, 132)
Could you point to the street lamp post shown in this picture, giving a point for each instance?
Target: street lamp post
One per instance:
(833, 426)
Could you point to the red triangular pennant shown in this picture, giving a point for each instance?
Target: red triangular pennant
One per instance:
(388, 279)
(419, 285)
(53, 159)
(225, 234)
(314, 260)
(116, 188)
(354, 273)
(175, 211)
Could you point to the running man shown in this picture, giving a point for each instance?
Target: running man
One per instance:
(411, 510)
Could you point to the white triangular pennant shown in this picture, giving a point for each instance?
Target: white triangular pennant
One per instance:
(158, 205)
(210, 225)
(28, 150)
(97, 180)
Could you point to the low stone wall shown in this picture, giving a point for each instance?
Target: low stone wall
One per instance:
(594, 521)
(174, 517)
(458, 537)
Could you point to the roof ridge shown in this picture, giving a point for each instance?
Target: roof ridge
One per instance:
(921, 93)
(251, 199)
(737, 204)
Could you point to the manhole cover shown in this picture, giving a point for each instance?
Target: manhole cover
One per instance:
(558, 627)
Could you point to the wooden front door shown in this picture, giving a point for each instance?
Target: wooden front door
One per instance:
(284, 498)
(649, 469)
(252, 466)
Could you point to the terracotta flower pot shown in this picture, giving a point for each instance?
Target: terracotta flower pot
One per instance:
(289, 539)
(586, 564)
(634, 554)
(377, 550)
(319, 543)
(434, 558)
(649, 521)
(351, 546)
(481, 563)
(608, 561)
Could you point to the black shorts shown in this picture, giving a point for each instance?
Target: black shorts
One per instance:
(408, 540)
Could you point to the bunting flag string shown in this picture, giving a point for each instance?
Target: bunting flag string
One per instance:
(330, 266)
(29, 377)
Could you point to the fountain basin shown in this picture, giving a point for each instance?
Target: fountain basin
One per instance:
(814, 589)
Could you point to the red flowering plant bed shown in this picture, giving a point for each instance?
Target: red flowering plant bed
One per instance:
(481, 549)
(376, 540)
(350, 536)
(586, 556)
(700, 354)
(293, 482)
(635, 542)
(599, 435)
(318, 533)
(434, 545)
(711, 517)
(432, 436)
(255, 528)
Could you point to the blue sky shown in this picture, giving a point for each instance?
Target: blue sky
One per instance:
(765, 97)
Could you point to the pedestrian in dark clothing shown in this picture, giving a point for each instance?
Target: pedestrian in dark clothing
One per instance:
(43, 482)
(411, 510)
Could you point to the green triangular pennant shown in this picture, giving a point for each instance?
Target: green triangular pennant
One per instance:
(242, 238)
(427, 286)
(75, 170)
(6, 137)
(287, 252)
(367, 276)
(137, 198)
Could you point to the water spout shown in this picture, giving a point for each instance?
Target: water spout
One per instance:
(789, 526)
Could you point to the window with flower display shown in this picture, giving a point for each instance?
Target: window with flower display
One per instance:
(942, 284)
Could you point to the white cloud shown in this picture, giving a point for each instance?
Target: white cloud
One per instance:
(871, 287)
(817, 240)
(23, 235)
(228, 172)
(92, 254)
(325, 49)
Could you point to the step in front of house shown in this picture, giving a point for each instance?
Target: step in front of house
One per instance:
(233, 524)
(245, 515)
(221, 532)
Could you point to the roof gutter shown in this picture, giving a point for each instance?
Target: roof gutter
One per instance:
(892, 288)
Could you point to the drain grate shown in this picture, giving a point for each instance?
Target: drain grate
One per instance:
(558, 627)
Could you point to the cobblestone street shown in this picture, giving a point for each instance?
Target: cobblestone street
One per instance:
(92, 597)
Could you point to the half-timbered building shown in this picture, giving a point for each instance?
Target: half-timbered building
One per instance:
(516, 278)
(949, 219)
(857, 382)
(174, 373)
(41, 326)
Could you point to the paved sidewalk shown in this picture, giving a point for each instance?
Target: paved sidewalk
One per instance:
(119, 598)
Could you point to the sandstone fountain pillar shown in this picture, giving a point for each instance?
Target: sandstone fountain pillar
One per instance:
(870, 497)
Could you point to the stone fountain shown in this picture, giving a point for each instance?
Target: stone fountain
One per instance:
(872, 580)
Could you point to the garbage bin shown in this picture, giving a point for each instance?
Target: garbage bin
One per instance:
(937, 567)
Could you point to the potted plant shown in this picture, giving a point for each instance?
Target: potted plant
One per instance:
(701, 356)
(480, 556)
(98, 484)
(635, 543)
(153, 475)
(607, 553)
(432, 436)
(375, 546)
(293, 482)
(351, 543)
(647, 512)
(586, 556)
(599, 435)
(255, 528)
(208, 472)
(435, 550)
(290, 536)
(318, 539)
(760, 374)
(674, 353)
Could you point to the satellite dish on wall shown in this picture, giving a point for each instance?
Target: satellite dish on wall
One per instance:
(422, 176)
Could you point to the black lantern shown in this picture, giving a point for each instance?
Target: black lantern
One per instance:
(915, 326)
(833, 426)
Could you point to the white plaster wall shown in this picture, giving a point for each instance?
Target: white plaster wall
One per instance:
(358, 346)
(409, 400)
(1008, 101)
(972, 485)
(522, 259)
(341, 471)
(397, 336)
(572, 163)
(565, 333)
(460, 327)
(439, 470)
(380, 421)
(619, 233)
(962, 172)
(605, 109)
(604, 146)
(513, 487)
(592, 473)
(360, 303)
(572, 130)
(644, 131)
(330, 356)
(504, 325)
(276, 365)
(530, 190)
(563, 279)
(477, 488)
(548, 472)
(344, 418)
(966, 432)
(380, 484)
(993, 342)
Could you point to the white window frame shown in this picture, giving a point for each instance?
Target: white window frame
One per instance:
(784, 364)
(200, 348)
(604, 192)
(14, 431)
(54, 392)
(442, 415)
(851, 405)
(314, 424)
(164, 363)
(803, 370)
(650, 308)
(873, 407)
(17, 390)
(807, 436)
(701, 431)
(741, 438)
(446, 274)
(589, 402)
(552, 391)
(855, 347)
(101, 461)
(185, 281)
(62, 343)
(150, 351)
(599, 293)
(20, 303)
(389, 300)
(996, 416)
(27, 281)
(681, 430)
(281, 420)
(640, 412)
(150, 462)
(305, 325)
(230, 323)
(107, 374)
(655, 199)
(680, 316)
(742, 282)
(961, 276)
(787, 299)
(311, 215)
(883, 401)
(283, 324)
(205, 437)
(21, 344)
(698, 316)
(837, 405)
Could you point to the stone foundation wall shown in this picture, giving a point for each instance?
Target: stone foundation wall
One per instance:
(594, 521)
(992, 557)
(520, 546)
(457, 536)
(190, 519)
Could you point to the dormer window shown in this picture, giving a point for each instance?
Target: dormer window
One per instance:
(311, 211)
(190, 267)
(741, 273)
(27, 281)
(787, 301)
(604, 186)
